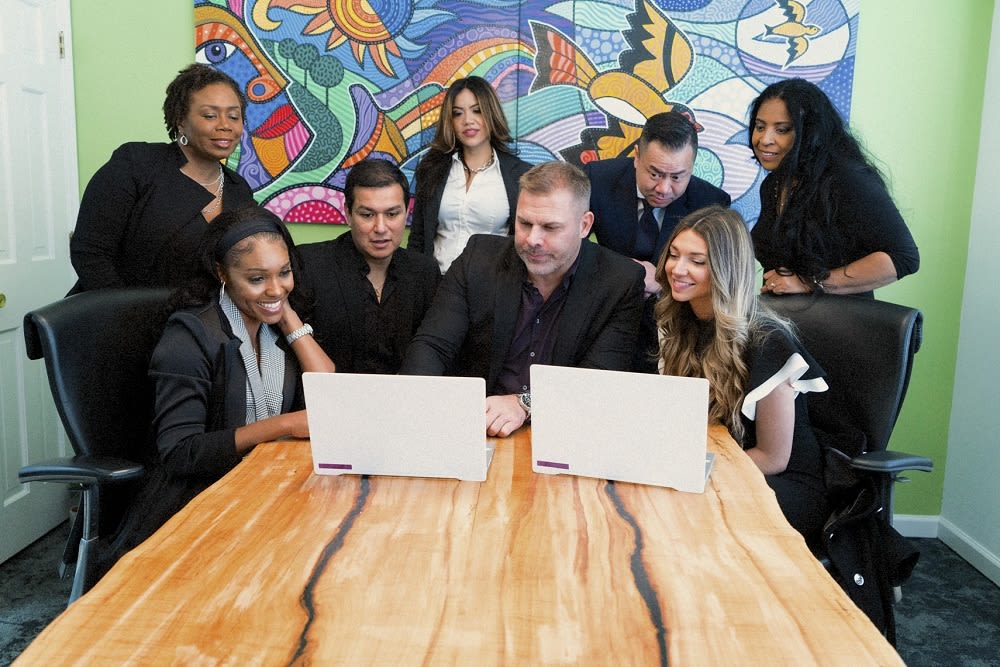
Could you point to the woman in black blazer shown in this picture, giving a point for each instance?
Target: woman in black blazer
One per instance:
(144, 212)
(467, 182)
(228, 367)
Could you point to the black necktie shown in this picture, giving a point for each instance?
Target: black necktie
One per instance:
(647, 234)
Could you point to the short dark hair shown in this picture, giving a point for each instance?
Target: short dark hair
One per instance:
(374, 173)
(188, 81)
(670, 128)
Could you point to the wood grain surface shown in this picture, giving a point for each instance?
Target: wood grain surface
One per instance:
(276, 566)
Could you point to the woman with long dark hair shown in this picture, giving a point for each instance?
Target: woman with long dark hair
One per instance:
(467, 182)
(827, 222)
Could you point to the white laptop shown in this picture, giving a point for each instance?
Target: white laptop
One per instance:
(406, 425)
(631, 427)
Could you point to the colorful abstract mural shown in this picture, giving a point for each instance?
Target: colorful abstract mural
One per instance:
(331, 82)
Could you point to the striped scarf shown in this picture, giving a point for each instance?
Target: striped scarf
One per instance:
(264, 380)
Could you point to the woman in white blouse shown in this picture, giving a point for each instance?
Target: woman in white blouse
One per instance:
(467, 182)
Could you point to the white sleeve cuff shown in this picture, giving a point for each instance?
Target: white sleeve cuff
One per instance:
(793, 369)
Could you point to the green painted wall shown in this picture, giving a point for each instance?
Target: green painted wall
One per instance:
(916, 107)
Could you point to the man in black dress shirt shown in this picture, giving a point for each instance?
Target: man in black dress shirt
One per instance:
(544, 296)
(638, 200)
(370, 294)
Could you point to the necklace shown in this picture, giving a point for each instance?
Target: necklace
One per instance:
(377, 282)
(218, 193)
(214, 179)
(478, 170)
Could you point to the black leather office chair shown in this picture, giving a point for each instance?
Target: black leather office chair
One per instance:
(866, 348)
(96, 347)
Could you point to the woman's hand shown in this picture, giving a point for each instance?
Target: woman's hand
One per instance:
(783, 281)
(862, 275)
(278, 427)
(290, 320)
(298, 424)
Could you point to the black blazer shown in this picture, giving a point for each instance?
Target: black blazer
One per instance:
(470, 325)
(140, 221)
(337, 275)
(614, 202)
(425, 213)
(200, 401)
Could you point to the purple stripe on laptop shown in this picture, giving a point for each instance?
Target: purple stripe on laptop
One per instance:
(552, 464)
(335, 466)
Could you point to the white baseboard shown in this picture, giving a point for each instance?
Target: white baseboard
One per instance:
(916, 525)
(971, 550)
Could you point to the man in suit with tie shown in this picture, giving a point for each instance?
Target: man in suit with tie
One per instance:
(547, 295)
(637, 201)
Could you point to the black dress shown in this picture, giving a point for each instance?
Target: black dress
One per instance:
(866, 219)
(800, 488)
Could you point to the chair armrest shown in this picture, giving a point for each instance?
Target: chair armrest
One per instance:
(890, 463)
(82, 469)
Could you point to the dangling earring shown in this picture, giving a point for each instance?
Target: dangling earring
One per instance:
(182, 140)
(222, 290)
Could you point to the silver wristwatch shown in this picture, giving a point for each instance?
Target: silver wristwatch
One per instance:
(524, 400)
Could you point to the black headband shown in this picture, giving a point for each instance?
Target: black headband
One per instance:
(242, 231)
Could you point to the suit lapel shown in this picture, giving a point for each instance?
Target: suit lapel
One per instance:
(627, 201)
(510, 185)
(576, 311)
(510, 282)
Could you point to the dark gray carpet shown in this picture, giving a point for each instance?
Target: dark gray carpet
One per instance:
(31, 592)
(949, 615)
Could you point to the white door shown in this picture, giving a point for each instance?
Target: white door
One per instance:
(39, 197)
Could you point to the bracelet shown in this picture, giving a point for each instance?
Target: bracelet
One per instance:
(304, 330)
(818, 285)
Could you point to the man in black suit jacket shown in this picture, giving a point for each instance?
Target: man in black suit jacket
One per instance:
(546, 296)
(371, 295)
(657, 178)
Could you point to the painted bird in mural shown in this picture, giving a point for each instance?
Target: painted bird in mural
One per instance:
(659, 57)
(795, 30)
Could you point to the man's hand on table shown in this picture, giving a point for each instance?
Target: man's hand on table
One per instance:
(504, 415)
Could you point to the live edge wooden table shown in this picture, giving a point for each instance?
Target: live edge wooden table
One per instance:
(276, 566)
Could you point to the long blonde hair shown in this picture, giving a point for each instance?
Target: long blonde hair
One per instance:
(738, 318)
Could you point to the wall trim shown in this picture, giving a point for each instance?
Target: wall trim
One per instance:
(916, 525)
(970, 549)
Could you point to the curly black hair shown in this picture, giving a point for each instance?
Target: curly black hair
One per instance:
(188, 81)
(823, 148)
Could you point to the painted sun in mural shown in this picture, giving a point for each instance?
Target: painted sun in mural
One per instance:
(368, 26)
